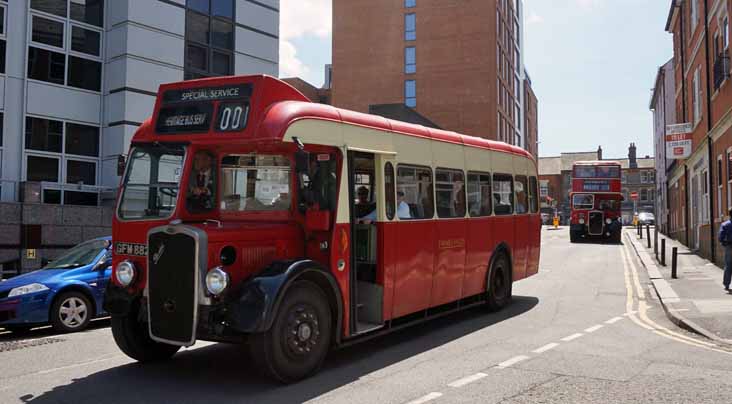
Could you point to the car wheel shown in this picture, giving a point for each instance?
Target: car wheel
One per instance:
(298, 341)
(71, 312)
(500, 287)
(132, 338)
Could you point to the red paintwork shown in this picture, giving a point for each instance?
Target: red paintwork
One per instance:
(578, 186)
(421, 263)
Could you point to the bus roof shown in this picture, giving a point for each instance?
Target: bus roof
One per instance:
(597, 163)
(275, 105)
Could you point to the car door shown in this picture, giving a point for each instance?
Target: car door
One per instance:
(100, 275)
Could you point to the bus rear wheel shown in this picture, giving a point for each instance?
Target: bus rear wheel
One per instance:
(298, 341)
(573, 237)
(500, 287)
(132, 338)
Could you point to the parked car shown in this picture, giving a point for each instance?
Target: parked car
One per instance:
(67, 293)
(645, 218)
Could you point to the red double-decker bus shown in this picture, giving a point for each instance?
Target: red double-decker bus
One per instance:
(249, 215)
(596, 200)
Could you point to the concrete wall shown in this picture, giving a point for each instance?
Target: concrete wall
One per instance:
(61, 227)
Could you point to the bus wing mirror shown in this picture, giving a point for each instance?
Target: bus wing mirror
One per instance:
(317, 220)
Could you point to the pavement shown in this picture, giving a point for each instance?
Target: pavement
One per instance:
(587, 329)
(695, 300)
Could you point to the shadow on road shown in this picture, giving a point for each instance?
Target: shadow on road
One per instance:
(225, 373)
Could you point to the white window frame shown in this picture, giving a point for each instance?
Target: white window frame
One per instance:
(694, 15)
(63, 158)
(720, 185)
(697, 97)
(725, 33)
(4, 33)
(68, 24)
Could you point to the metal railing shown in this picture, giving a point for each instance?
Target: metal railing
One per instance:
(721, 69)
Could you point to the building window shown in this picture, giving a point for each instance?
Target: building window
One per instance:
(725, 33)
(696, 95)
(66, 43)
(209, 38)
(644, 195)
(61, 153)
(410, 93)
(410, 3)
(694, 14)
(2, 124)
(410, 60)
(410, 27)
(3, 13)
(720, 175)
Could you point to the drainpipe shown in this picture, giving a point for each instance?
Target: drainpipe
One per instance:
(710, 151)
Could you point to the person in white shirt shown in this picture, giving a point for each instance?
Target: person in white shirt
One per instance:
(402, 207)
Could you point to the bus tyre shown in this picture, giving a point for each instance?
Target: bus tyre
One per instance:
(499, 284)
(298, 341)
(616, 237)
(133, 339)
(573, 237)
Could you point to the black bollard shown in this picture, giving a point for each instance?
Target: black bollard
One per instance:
(648, 234)
(655, 241)
(663, 252)
(640, 231)
(674, 262)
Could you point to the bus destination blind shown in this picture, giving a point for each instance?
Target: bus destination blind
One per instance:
(192, 110)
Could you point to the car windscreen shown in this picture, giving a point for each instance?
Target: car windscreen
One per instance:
(79, 256)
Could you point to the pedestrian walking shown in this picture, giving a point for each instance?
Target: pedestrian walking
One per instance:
(725, 238)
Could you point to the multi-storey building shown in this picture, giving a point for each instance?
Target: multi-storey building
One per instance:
(459, 64)
(639, 177)
(663, 105)
(78, 77)
(700, 186)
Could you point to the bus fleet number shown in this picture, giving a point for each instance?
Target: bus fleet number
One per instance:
(232, 117)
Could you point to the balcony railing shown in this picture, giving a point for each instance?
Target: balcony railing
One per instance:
(721, 69)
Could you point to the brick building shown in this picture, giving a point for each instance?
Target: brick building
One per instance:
(663, 106)
(700, 186)
(459, 64)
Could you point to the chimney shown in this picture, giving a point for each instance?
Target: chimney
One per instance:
(632, 160)
(599, 152)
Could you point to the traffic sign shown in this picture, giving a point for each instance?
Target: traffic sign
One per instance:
(634, 196)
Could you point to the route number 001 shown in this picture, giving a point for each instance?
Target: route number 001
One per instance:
(232, 117)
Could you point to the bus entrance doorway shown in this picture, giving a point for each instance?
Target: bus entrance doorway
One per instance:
(368, 293)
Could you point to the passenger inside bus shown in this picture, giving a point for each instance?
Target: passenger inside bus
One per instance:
(201, 183)
(402, 208)
(365, 209)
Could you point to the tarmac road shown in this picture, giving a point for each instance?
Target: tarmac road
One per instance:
(587, 329)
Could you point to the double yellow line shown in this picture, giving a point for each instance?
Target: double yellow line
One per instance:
(639, 315)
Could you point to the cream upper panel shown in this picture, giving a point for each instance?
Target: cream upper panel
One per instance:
(478, 160)
(502, 163)
(413, 150)
(448, 155)
(316, 131)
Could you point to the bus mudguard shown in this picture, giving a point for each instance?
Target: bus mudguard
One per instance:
(117, 301)
(256, 306)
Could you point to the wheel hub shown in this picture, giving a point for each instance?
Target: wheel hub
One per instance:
(304, 330)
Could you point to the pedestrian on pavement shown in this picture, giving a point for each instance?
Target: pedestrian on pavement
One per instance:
(725, 238)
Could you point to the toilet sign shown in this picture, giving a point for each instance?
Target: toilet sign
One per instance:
(678, 141)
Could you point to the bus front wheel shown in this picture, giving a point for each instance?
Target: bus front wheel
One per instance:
(298, 341)
(499, 283)
(132, 338)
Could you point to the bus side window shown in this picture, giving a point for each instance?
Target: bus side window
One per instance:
(416, 184)
(522, 187)
(503, 194)
(450, 193)
(323, 180)
(533, 191)
(479, 194)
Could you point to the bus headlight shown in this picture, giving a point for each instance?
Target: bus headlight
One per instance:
(608, 221)
(125, 273)
(217, 281)
(582, 220)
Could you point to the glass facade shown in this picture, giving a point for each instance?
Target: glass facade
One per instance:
(209, 47)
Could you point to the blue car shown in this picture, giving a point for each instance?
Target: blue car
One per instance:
(67, 293)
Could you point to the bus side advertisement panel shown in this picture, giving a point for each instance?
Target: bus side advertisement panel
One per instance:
(447, 281)
(480, 244)
(414, 266)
